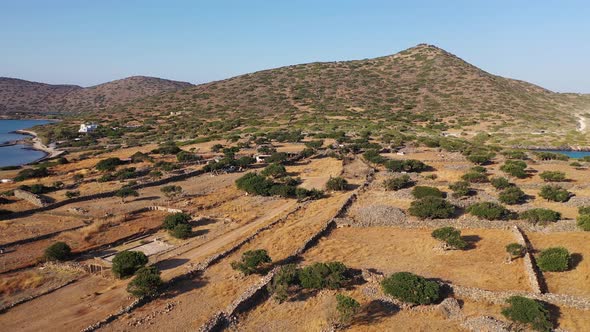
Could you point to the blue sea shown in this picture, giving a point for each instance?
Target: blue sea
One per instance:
(17, 154)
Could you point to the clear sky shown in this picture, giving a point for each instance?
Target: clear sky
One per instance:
(88, 42)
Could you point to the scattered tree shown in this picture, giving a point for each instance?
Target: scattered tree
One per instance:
(251, 261)
(461, 189)
(126, 263)
(59, 251)
(411, 288)
(515, 168)
(147, 282)
(540, 215)
(424, 191)
(512, 195)
(126, 192)
(347, 308)
(555, 259)
(552, 176)
(172, 220)
(475, 177)
(450, 236)
(398, 182)
(274, 170)
(323, 275)
(515, 250)
(583, 222)
(528, 312)
(554, 193)
(432, 208)
(500, 183)
(108, 165)
(337, 184)
(489, 211)
(171, 191)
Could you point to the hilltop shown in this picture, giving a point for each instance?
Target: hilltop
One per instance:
(24, 96)
(423, 80)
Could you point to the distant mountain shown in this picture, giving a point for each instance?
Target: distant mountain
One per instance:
(24, 96)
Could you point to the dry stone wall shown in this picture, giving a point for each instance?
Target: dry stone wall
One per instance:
(30, 197)
(534, 275)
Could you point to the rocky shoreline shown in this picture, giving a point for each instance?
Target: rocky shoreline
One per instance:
(34, 144)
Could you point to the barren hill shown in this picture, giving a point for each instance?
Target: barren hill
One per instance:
(25, 96)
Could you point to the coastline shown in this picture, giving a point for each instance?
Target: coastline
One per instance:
(50, 152)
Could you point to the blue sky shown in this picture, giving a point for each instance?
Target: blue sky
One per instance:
(89, 42)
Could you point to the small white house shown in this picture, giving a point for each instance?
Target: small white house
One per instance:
(87, 128)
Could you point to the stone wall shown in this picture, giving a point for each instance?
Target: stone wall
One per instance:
(30, 197)
(534, 275)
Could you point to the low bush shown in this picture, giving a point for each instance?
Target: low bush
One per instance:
(461, 189)
(172, 220)
(285, 277)
(72, 193)
(480, 158)
(255, 184)
(515, 250)
(108, 165)
(489, 211)
(584, 210)
(540, 215)
(432, 208)
(398, 182)
(407, 165)
(347, 308)
(126, 263)
(373, 156)
(59, 251)
(336, 184)
(31, 173)
(411, 288)
(181, 231)
(323, 275)
(543, 155)
(555, 259)
(126, 192)
(512, 195)
(552, 176)
(147, 282)
(424, 191)
(251, 261)
(583, 221)
(528, 312)
(515, 168)
(500, 183)
(554, 193)
(450, 236)
(274, 170)
(475, 177)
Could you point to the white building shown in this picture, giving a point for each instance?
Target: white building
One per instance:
(87, 128)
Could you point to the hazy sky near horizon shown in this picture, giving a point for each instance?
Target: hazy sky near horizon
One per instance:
(87, 42)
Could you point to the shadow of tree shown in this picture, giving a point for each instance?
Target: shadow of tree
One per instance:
(375, 311)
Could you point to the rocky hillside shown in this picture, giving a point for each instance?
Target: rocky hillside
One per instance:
(421, 79)
(24, 96)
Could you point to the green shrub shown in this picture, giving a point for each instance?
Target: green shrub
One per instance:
(411, 288)
(432, 208)
(322, 275)
(584, 210)
(277, 157)
(475, 177)
(489, 211)
(31, 173)
(554, 193)
(583, 222)
(59, 251)
(528, 312)
(251, 261)
(554, 259)
(512, 195)
(184, 156)
(172, 220)
(373, 156)
(500, 183)
(398, 182)
(108, 165)
(451, 236)
(552, 176)
(515, 250)
(72, 193)
(424, 191)
(282, 280)
(336, 184)
(171, 190)
(480, 158)
(540, 215)
(126, 192)
(347, 308)
(461, 189)
(551, 156)
(147, 282)
(515, 154)
(407, 165)
(181, 231)
(274, 170)
(126, 263)
(253, 183)
(515, 168)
